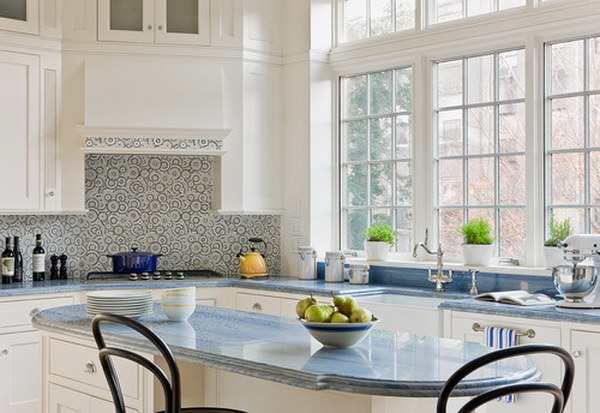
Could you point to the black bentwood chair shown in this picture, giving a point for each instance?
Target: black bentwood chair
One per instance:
(561, 395)
(171, 388)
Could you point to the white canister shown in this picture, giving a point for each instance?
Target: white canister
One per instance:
(307, 263)
(334, 266)
(359, 273)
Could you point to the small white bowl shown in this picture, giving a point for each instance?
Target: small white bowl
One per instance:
(178, 300)
(338, 335)
(178, 312)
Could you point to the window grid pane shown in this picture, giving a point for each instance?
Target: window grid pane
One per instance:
(371, 18)
(481, 148)
(376, 141)
(451, 10)
(572, 133)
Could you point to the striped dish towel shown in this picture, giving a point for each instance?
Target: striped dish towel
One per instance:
(498, 338)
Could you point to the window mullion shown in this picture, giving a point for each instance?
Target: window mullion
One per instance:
(496, 94)
(465, 128)
(586, 137)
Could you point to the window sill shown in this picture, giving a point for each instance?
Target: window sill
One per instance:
(495, 268)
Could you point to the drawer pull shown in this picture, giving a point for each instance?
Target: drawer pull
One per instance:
(4, 352)
(577, 354)
(34, 312)
(257, 307)
(90, 367)
(529, 333)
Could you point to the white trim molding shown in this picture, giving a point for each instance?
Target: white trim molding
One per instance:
(153, 140)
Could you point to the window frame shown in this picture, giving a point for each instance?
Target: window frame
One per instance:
(342, 163)
(586, 150)
(496, 103)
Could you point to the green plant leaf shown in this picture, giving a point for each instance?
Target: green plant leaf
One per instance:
(381, 233)
(477, 232)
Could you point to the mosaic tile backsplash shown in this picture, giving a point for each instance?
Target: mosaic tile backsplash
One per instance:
(158, 203)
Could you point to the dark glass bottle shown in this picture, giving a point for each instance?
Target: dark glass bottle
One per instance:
(18, 262)
(39, 260)
(8, 263)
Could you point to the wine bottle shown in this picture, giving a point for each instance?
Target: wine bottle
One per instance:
(39, 260)
(8, 263)
(18, 261)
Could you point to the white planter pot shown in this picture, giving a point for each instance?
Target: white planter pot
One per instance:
(377, 250)
(554, 256)
(477, 254)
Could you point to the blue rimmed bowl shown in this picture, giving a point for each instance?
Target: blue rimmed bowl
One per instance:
(339, 335)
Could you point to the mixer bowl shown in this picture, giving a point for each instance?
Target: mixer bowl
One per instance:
(574, 282)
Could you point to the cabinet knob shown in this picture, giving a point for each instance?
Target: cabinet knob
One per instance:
(34, 312)
(4, 352)
(257, 307)
(90, 367)
(51, 193)
(577, 354)
(160, 27)
(149, 27)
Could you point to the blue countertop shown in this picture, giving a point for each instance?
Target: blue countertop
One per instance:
(281, 350)
(452, 300)
(543, 312)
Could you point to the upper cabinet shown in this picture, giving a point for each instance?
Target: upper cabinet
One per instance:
(20, 16)
(154, 21)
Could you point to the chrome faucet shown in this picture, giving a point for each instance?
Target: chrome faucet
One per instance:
(440, 278)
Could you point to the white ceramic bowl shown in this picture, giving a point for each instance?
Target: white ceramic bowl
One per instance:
(178, 312)
(339, 335)
(178, 300)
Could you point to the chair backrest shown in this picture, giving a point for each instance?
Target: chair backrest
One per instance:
(171, 385)
(561, 395)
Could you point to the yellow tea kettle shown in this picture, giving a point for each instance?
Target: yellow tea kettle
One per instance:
(252, 264)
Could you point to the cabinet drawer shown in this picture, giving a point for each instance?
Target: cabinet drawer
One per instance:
(16, 313)
(80, 363)
(257, 303)
(288, 307)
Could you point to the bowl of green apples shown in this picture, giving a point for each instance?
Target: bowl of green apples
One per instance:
(340, 325)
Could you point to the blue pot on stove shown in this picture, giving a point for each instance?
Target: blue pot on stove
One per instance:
(134, 261)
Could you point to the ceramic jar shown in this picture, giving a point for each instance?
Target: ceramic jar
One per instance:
(359, 273)
(334, 266)
(307, 263)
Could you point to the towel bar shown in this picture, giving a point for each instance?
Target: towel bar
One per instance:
(529, 333)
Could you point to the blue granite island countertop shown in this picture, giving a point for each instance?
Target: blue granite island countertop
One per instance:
(281, 350)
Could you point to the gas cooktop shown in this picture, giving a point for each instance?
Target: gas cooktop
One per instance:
(194, 275)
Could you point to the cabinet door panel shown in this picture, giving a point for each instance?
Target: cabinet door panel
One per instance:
(126, 20)
(19, 372)
(19, 130)
(20, 16)
(462, 329)
(63, 400)
(183, 21)
(586, 347)
(257, 303)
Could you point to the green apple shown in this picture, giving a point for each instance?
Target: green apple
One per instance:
(303, 305)
(361, 315)
(339, 318)
(345, 305)
(319, 313)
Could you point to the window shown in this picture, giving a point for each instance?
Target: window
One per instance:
(376, 141)
(480, 152)
(367, 18)
(573, 132)
(448, 10)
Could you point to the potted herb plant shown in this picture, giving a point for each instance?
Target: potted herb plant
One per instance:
(379, 239)
(477, 248)
(559, 230)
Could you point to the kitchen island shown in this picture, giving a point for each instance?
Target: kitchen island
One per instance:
(262, 364)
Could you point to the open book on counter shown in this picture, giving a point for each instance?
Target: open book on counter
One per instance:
(517, 297)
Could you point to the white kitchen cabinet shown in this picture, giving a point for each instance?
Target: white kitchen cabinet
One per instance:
(258, 303)
(585, 348)
(19, 130)
(19, 351)
(20, 16)
(461, 326)
(154, 21)
(406, 319)
(19, 372)
(64, 400)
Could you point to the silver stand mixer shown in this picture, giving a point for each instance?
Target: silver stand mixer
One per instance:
(577, 279)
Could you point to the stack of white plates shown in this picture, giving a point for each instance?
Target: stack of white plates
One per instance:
(125, 303)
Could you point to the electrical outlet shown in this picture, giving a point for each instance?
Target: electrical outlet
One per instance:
(296, 227)
(296, 207)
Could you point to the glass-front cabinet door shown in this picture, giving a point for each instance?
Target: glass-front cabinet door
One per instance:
(182, 21)
(20, 16)
(126, 20)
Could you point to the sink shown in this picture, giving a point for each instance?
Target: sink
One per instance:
(401, 300)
